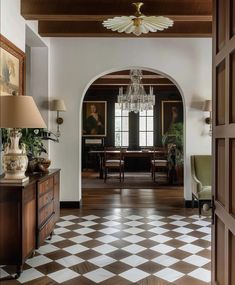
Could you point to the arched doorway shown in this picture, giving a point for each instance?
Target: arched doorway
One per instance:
(168, 94)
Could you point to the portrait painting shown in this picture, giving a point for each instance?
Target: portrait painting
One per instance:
(11, 68)
(94, 118)
(172, 113)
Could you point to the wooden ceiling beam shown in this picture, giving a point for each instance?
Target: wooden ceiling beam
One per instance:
(112, 87)
(94, 29)
(126, 81)
(98, 10)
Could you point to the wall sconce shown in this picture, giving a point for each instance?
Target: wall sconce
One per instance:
(58, 106)
(208, 108)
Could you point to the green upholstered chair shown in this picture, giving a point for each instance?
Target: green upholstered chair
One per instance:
(201, 168)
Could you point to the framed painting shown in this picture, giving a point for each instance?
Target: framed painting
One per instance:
(172, 112)
(94, 116)
(12, 68)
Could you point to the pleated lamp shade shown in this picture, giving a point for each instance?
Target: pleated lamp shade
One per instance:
(207, 106)
(19, 112)
(58, 105)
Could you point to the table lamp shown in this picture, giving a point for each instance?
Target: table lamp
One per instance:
(17, 112)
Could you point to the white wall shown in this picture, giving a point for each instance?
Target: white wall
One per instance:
(75, 63)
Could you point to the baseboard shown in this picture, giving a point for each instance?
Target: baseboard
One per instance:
(70, 204)
(188, 204)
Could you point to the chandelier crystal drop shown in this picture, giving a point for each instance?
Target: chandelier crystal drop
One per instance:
(139, 23)
(136, 99)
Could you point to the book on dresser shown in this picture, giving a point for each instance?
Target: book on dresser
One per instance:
(28, 214)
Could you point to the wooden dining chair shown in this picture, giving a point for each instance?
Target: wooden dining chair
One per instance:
(113, 160)
(159, 165)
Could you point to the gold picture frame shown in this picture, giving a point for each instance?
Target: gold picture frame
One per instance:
(172, 112)
(94, 119)
(12, 68)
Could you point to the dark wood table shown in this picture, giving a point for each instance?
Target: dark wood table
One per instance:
(126, 153)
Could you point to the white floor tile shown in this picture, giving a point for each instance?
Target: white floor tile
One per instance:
(202, 223)
(160, 238)
(47, 249)
(157, 223)
(59, 231)
(183, 230)
(134, 217)
(80, 239)
(84, 231)
(69, 217)
(107, 239)
(99, 275)
(87, 224)
(179, 223)
(112, 217)
(63, 275)
(3, 273)
(55, 238)
(90, 217)
(102, 260)
(65, 224)
(169, 274)
(29, 275)
(159, 230)
(134, 238)
(176, 217)
(201, 274)
(74, 249)
(165, 260)
(134, 248)
(187, 238)
(191, 248)
(133, 223)
(69, 261)
(134, 275)
(162, 248)
(104, 249)
(134, 260)
(111, 224)
(109, 231)
(133, 231)
(196, 260)
(38, 260)
(155, 217)
(205, 230)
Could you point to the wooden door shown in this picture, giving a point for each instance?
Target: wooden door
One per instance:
(223, 265)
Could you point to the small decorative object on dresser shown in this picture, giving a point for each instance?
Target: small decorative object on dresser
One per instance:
(28, 214)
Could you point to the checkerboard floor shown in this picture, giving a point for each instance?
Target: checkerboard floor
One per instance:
(122, 248)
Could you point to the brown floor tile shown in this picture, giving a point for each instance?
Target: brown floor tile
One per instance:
(149, 254)
(64, 243)
(84, 267)
(79, 281)
(183, 267)
(116, 280)
(117, 267)
(49, 267)
(150, 267)
(175, 243)
(172, 234)
(207, 266)
(197, 234)
(205, 253)
(92, 243)
(179, 254)
(118, 254)
(187, 280)
(153, 280)
(69, 235)
(202, 243)
(57, 254)
(147, 234)
(41, 281)
(147, 243)
(95, 235)
(88, 254)
(120, 243)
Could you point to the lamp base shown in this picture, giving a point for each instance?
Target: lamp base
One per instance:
(14, 181)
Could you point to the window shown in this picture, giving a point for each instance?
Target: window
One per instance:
(146, 128)
(121, 127)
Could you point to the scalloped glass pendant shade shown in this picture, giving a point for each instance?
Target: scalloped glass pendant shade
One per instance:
(138, 24)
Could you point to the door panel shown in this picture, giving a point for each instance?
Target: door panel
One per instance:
(223, 245)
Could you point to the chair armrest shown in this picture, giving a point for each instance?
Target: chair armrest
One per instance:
(195, 179)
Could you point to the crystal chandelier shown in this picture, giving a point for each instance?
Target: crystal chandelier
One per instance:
(135, 99)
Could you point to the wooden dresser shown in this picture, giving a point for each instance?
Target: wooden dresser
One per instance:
(28, 214)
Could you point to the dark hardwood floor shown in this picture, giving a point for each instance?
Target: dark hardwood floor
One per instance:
(137, 191)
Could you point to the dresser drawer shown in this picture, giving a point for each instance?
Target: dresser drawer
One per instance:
(46, 230)
(45, 199)
(45, 213)
(46, 186)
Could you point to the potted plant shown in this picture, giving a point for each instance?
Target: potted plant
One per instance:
(173, 139)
